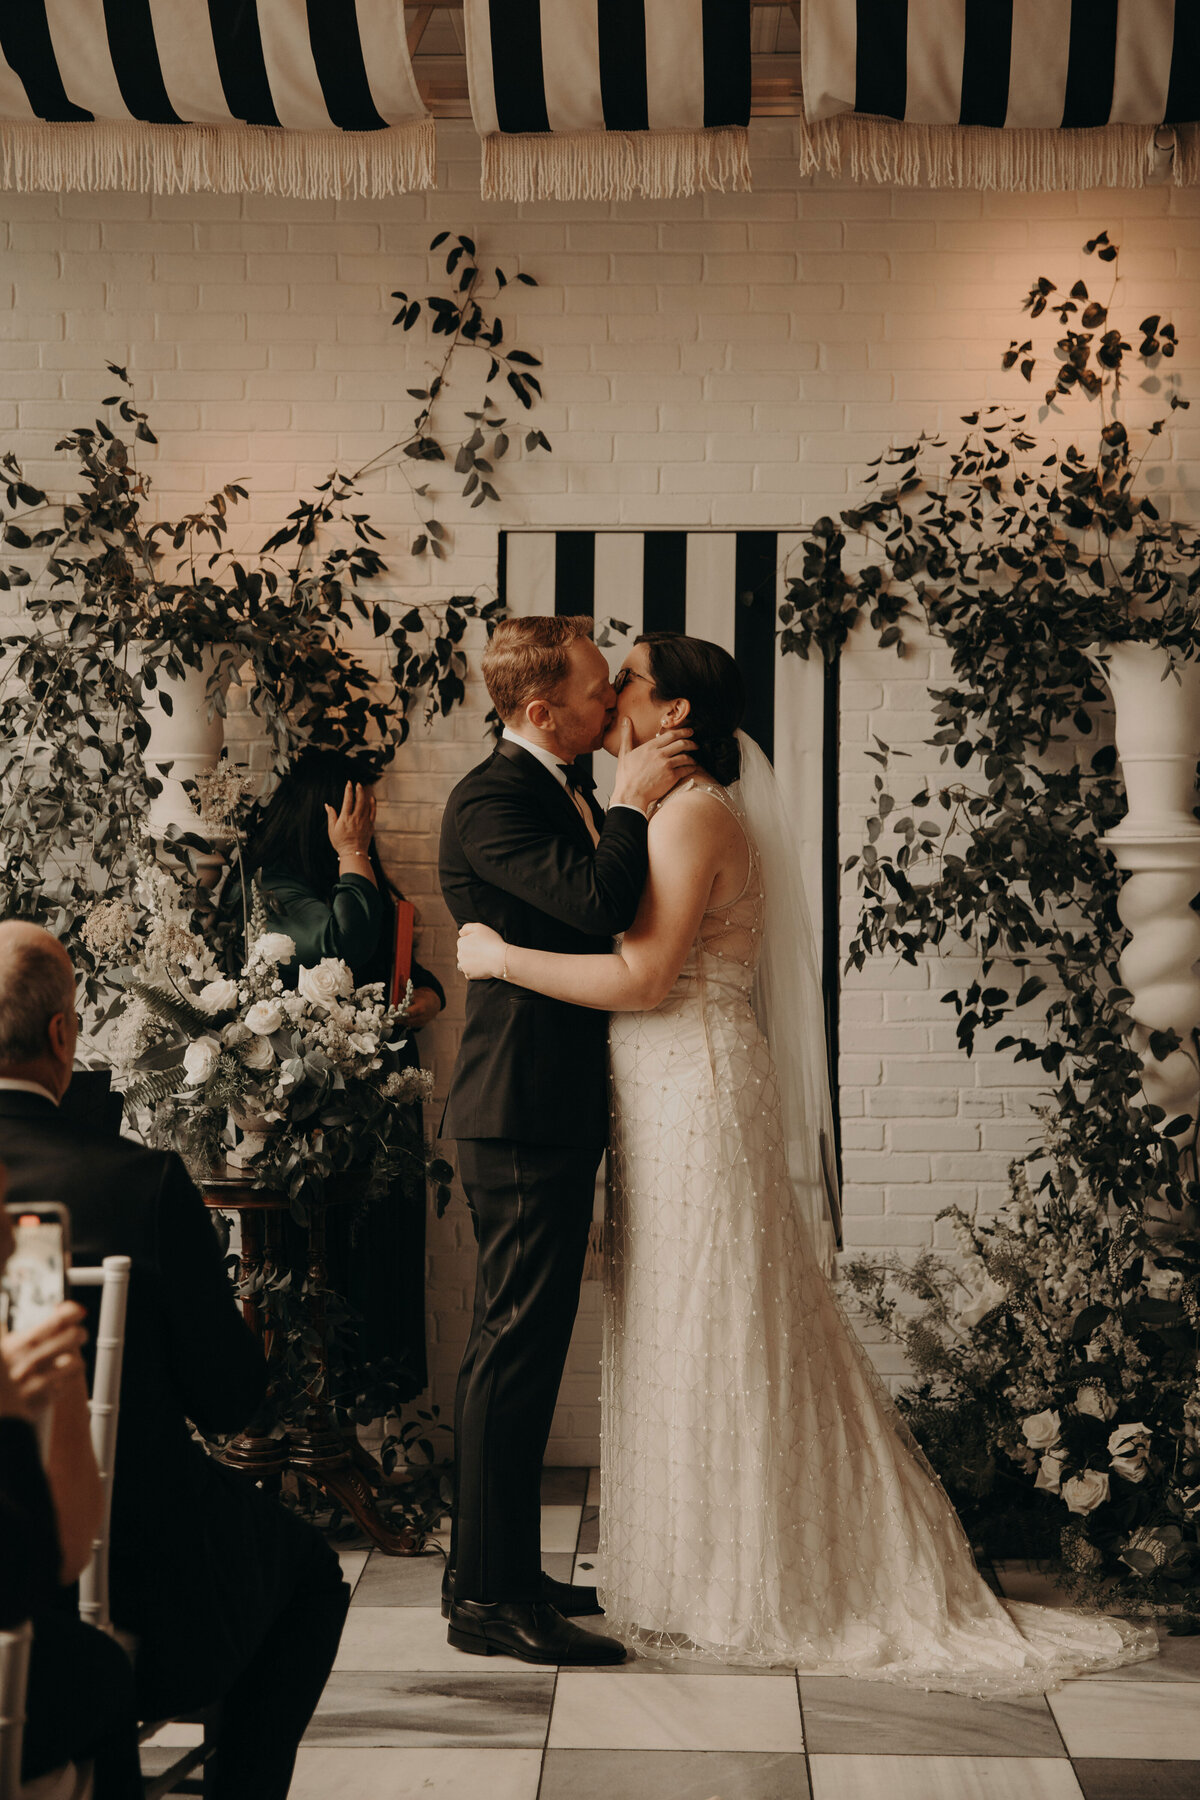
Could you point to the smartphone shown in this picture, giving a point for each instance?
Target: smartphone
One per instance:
(35, 1280)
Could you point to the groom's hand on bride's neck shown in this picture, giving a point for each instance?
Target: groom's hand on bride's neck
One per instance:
(651, 770)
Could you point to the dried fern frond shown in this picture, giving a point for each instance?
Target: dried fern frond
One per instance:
(172, 1007)
(153, 1088)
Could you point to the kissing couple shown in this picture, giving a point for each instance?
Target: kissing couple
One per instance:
(762, 1502)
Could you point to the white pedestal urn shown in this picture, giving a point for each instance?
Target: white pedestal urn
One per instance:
(184, 742)
(1157, 843)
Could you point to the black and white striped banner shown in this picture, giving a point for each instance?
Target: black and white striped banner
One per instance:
(1005, 93)
(290, 96)
(605, 99)
(726, 586)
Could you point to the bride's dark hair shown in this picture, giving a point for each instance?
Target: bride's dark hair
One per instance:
(692, 669)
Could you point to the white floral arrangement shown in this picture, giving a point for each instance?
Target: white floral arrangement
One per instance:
(1058, 1364)
(290, 1084)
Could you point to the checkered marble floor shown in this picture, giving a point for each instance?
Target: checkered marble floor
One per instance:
(405, 1715)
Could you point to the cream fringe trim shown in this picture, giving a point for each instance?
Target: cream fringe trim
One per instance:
(972, 156)
(614, 165)
(223, 159)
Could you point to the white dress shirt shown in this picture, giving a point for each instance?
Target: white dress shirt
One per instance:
(12, 1084)
(556, 767)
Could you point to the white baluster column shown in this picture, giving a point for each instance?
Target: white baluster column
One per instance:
(187, 741)
(1157, 843)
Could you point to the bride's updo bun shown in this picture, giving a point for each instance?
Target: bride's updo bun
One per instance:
(692, 669)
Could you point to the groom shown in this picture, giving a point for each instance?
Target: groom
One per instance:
(526, 850)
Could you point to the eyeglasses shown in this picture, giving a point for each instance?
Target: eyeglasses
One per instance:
(623, 677)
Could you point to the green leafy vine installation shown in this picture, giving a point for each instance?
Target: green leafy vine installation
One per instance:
(1025, 559)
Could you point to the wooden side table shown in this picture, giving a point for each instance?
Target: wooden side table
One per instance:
(315, 1451)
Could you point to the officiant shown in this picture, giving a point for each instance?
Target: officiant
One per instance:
(312, 854)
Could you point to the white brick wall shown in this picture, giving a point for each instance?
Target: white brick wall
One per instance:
(729, 361)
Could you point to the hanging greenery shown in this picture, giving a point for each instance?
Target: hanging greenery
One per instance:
(118, 603)
(1023, 559)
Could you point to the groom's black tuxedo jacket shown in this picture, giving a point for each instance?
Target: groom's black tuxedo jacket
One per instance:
(516, 855)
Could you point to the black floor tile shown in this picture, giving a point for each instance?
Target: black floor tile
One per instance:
(673, 1775)
(864, 1718)
(1123, 1778)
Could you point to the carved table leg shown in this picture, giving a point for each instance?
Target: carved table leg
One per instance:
(318, 1451)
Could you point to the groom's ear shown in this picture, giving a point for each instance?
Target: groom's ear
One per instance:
(539, 715)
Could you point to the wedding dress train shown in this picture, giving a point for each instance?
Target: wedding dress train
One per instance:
(763, 1502)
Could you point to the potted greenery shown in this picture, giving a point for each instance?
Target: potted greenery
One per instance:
(1057, 1362)
(1032, 564)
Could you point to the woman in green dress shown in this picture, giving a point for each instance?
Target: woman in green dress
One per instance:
(312, 853)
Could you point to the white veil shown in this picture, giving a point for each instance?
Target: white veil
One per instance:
(789, 1005)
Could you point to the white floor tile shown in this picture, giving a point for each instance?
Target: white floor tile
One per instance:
(353, 1563)
(407, 1774)
(177, 1736)
(1125, 1718)
(560, 1527)
(586, 1572)
(942, 1778)
(391, 1638)
(595, 1711)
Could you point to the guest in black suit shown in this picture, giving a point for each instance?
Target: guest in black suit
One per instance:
(526, 850)
(230, 1596)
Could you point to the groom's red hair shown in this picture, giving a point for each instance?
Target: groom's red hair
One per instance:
(527, 659)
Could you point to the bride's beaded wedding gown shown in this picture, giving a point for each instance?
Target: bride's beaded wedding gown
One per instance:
(762, 1501)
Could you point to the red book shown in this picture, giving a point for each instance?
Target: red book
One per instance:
(402, 957)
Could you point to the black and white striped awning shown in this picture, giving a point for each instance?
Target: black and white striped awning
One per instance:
(1003, 93)
(605, 99)
(288, 96)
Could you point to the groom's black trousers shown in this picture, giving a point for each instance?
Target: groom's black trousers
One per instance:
(531, 1205)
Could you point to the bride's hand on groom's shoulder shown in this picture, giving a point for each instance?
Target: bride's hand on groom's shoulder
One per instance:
(651, 770)
(481, 953)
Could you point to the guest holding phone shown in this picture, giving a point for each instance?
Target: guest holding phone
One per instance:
(80, 1704)
(230, 1596)
(312, 852)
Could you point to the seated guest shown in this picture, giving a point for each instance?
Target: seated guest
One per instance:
(79, 1704)
(312, 851)
(230, 1597)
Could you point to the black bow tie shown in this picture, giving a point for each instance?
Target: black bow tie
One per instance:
(577, 779)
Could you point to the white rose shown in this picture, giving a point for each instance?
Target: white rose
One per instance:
(218, 996)
(199, 1060)
(273, 947)
(326, 983)
(265, 1016)
(235, 1033)
(1041, 1430)
(1050, 1474)
(1095, 1403)
(1086, 1491)
(1130, 1468)
(984, 1299)
(258, 1054)
(1130, 1440)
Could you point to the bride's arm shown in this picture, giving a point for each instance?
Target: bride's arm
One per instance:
(685, 854)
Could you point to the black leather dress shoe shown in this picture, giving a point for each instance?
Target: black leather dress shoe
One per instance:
(564, 1596)
(534, 1632)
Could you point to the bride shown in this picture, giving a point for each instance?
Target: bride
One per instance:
(763, 1502)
